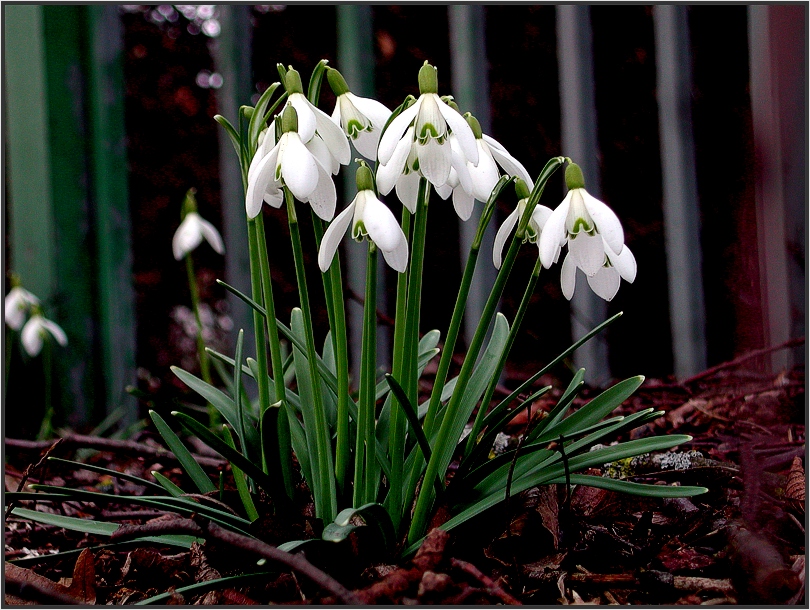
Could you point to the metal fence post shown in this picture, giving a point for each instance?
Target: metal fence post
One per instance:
(681, 208)
(471, 90)
(578, 115)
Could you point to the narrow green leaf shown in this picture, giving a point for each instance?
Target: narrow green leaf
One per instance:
(239, 480)
(204, 587)
(258, 119)
(225, 450)
(314, 89)
(173, 489)
(113, 473)
(229, 129)
(636, 489)
(183, 455)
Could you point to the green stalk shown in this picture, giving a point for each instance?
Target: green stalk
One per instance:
(426, 494)
(450, 342)
(277, 364)
(258, 324)
(326, 496)
(46, 427)
(205, 365)
(333, 287)
(396, 441)
(521, 312)
(367, 374)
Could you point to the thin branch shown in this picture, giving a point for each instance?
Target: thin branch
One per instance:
(31, 469)
(744, 358)
(204, 528)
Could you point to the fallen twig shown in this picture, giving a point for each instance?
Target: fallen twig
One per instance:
(29, 470)
(744, 358)
(81, 441)
(492, 588)
(204, 528)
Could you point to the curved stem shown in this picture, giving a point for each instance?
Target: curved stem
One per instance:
(205, 365)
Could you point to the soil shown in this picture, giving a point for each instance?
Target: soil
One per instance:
(742, 542)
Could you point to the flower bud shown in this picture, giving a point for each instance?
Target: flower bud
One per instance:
(428, 79)
(189, 203)
(521, 189)
(337, 82)
(573, 177)
(474, 125)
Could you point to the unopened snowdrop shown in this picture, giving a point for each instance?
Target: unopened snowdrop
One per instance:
(37, 330)
(420, 135)
(362, 119)
(370, 219)
(534, 229)
(193, 229)
(18, 303)
(290, 163)
(594, 236)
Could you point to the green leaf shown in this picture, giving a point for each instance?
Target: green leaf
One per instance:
(373, 515)
(205, 586)
(166, 484)
(258, 120)
(225, 450)
(113, 473)
(229, 129)
(183, 455)
(633, 488)
(239, 480)
(315, 81)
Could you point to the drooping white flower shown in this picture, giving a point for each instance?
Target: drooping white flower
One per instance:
(311, 119)
(371, 219)
(605, 282)
(18, 303)
(432, 121)
(290, 163)
(583, 222)
(36, 330)
(362, 119)
(193, 230)
(534, 229)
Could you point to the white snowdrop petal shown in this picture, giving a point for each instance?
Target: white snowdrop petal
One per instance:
(500, 237)
(568, 277)
(461, 168)
(382, 227)
(306, 118)
(333, 235)
(389, 172)
(55, 330)
(434, 161)
(258, 185)
(462, 129)
(299, 169)
(463, 203)
(397, 258)
(332, 135)
(540, 216)
(395, 132)
(510, 165)
(366, 143)
(187, 237)
(212, 236)
(321, 152)
(323, 198)
(605, 283)
(408, 191)
(588, 252)
(31, 336)
(485, 175)
(445, 190)
(607, 223)
(553, 234)
(625, 263)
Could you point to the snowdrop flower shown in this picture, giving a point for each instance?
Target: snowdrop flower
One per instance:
(587, 225)
(423, 128)
(534, 229)
(362, 119)
(482, 177)
(369, 218)
(312, 119)
(36, 330)
(18, 303)
(290, 163)
(605, 282)
(193, 230)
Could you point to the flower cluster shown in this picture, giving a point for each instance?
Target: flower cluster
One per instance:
(20, 303)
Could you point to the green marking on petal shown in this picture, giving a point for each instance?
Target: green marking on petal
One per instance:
(582, 224)
(354, 127)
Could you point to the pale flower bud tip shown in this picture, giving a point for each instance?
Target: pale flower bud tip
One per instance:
(573, 177)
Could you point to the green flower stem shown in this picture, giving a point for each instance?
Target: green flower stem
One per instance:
(205, 365)
(365, 458)
(326, 496)
(449, 345)
(396, 421)
(426, 494)
(46, 427)
(333, 288)
(276, 363)
(513, 331)
(258, 323)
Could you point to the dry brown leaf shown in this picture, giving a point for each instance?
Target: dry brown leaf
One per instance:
(795, 488)
(83, 586)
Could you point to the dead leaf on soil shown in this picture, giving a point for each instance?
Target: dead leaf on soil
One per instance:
(83, 586)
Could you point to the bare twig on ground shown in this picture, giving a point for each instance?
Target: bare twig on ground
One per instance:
(206, 529)
(80, 441)
(744, 358)
(491, 587)
(31, 469)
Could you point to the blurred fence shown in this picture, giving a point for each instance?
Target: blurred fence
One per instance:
(72, 210)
